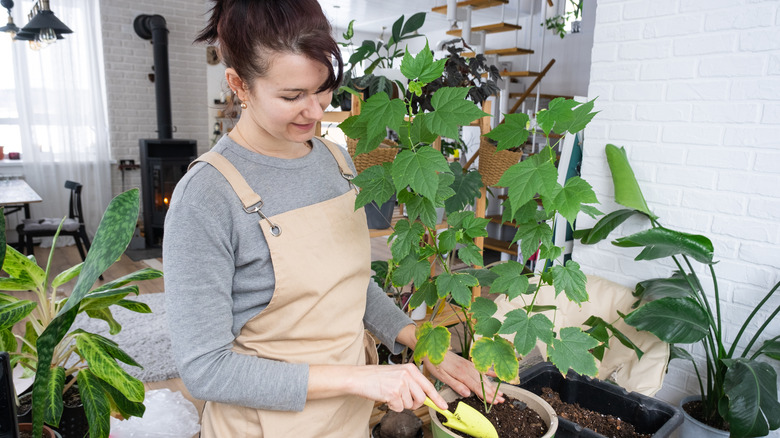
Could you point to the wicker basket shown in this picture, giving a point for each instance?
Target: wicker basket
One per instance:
(493, 164)
(384, 153)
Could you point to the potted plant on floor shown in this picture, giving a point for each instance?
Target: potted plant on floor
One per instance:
(59, 356)
(422, 180)
(738, 392)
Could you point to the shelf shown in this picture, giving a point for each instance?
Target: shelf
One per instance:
(335, 116)
(488, 28)
(397, 216)
(500, 245)
(512, 51)
(519, 74)
(541, 96)
(475, 4)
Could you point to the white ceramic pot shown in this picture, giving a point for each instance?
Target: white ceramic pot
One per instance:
(529, 398)
(692, 427)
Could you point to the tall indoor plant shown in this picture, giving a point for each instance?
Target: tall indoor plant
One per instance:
(51, 349)
(738, 391)
(422, 180)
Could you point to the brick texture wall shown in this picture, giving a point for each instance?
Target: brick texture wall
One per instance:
(131, 97)
(691, 89)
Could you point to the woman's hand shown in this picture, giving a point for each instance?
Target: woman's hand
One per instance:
(460, 375)
(400, 386)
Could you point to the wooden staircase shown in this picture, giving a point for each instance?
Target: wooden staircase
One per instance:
(488, 28)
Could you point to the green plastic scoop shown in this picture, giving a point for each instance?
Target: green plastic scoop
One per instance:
(466, 419)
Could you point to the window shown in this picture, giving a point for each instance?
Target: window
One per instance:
(10, 136)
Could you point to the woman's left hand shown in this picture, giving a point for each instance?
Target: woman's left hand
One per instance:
(460, 375)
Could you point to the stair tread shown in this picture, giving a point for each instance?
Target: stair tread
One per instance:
(489, 28)
(496, 219)
(475, 4)
(519, 74)
(512, 51)
(542, 95)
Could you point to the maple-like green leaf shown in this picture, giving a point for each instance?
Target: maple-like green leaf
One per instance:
(495, 352)
(527, 330)
(445, 190)
(412, 269)
(447, 240)
(511, 280)
(432, 342)
(483, 310)
(511, 133)
(570, 279)
(425, 293)
(473, 226)
(419, 169)
(378, 113)
(530, 236)
(415, 132)
(376, 184)
(471, 254)
(422, 66)
(571, 351)
(458, 286)
(550, 252)
(526, 213)
(571, 196)
(418, 207)
(578, 120)
(452, 111)
(466, 186)
(407, 237)
(529, 177)
(558, 113)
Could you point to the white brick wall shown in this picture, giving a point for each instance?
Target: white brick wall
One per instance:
(128, 61)
(691, 89)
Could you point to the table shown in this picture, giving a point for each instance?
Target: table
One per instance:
(15, 195)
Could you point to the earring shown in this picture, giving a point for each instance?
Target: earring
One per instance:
(243, 105)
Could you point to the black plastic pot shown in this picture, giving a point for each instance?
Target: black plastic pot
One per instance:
(73, 422)
(647, 414)
(380, 217)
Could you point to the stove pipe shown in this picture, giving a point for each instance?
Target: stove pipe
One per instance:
(154, 27)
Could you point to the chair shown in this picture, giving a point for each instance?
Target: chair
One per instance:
(73, 226)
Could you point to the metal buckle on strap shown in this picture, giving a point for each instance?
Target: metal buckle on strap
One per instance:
(348, 176)
(275, 229)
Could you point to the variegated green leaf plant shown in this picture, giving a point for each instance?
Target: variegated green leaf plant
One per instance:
(422, 180)
(46, 346)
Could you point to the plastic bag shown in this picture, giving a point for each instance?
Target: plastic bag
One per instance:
(168, 415)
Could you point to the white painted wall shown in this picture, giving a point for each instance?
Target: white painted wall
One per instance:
(691, 89)
(128, 61)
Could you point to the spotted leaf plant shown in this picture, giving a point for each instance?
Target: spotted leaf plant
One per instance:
(422, 180)
(46, 346)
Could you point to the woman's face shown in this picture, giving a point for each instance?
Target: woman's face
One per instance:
(284, 104)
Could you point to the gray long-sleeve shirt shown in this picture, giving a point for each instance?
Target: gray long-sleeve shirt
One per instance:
(219, 274)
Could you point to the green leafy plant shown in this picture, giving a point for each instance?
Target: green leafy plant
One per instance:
(422, 180)
(557, 23)
(373, 54)
(739, 392)
(50, 349)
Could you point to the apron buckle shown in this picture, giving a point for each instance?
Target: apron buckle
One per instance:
(276, 230)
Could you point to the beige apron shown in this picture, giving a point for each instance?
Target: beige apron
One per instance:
(321, 259)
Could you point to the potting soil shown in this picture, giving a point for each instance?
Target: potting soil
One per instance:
(512, 418)
(606, 425)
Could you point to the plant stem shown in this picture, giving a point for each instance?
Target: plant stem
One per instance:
(750, 318)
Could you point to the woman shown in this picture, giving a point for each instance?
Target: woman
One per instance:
(267, 263)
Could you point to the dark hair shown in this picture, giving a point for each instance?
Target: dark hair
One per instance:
(247, 31)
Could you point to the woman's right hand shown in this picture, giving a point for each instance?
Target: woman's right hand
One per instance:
(400, 386)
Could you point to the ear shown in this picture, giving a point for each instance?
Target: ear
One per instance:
(236, 84)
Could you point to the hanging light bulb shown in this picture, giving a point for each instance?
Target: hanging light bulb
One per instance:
(45, 25)
(10, 28)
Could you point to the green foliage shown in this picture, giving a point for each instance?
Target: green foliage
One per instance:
(422, 180)
(735, 387)
(103, 385)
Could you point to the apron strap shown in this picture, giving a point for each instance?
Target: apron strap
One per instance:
(335, 150)
(248, 196)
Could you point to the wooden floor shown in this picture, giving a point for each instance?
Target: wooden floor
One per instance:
(65, 257)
